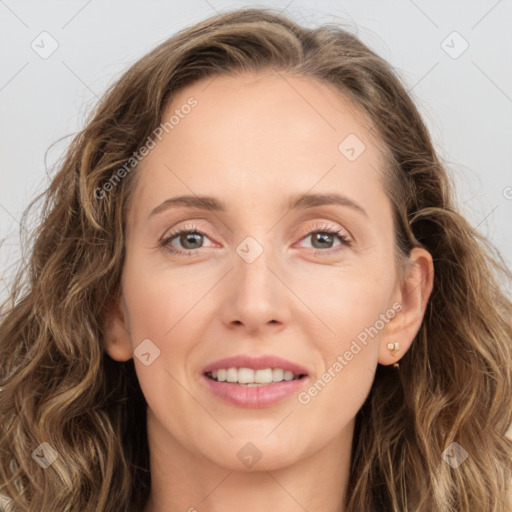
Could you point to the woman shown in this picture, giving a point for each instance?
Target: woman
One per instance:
(334, 338)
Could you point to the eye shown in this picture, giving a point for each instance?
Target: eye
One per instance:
(189, 237)
(323, 237)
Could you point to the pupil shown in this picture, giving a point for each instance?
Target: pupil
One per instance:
(322, 237)
(190, 236)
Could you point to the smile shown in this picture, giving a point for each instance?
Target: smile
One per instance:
(252, 378)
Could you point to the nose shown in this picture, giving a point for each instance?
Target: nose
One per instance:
(257, 298)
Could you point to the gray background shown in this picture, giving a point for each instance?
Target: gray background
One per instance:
(466, 99)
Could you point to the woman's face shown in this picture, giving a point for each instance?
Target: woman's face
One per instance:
(312, 282)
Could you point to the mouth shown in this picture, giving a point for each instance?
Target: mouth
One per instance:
(254, 382)
(250, 377)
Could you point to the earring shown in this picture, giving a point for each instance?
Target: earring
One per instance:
(394, 347)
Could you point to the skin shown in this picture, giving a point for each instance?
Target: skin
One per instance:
(253, 141)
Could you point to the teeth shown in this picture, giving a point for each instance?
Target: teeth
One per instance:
(252, 378)
(277, 374)
(232, 375)
(263, 376)
(245, 375)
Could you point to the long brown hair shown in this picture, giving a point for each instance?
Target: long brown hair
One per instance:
(59, 387)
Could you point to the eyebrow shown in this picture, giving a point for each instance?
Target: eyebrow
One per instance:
(300, 202)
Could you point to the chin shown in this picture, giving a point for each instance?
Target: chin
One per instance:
(247, 454)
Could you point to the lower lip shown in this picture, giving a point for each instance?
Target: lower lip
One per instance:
(254, 397)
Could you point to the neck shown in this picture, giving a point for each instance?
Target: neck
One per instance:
(185, 481)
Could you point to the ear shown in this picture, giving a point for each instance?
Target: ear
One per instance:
(413, 293)
(117, 340)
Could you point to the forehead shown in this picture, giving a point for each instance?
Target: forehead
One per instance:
(269, 106)
(258, 132)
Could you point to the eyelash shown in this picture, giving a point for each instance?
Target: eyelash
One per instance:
(324, 229)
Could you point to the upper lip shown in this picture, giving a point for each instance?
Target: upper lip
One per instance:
(256, 363)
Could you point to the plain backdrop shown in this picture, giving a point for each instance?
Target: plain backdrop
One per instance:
(57, 58)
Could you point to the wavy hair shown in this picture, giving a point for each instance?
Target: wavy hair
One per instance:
(58, 385)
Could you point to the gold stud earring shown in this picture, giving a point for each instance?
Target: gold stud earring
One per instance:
(394, 347)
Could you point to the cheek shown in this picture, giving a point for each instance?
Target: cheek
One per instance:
(354, 317)
(348, 360)
(159, 310)
(348, 302)
(158, 299)
(350, 314)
